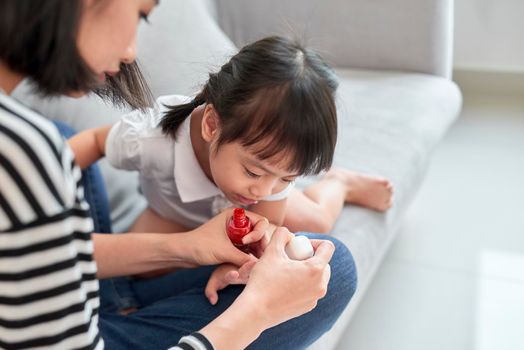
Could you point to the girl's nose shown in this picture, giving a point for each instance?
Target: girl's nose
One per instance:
(261, 189)
(130, 54)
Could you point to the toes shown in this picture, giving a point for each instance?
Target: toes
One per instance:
(383, 181)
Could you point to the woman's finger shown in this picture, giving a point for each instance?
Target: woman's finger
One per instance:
(235, 256)
(260, 231)
(280, 238)
(324, 251)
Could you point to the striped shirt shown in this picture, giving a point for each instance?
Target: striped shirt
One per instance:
(48, 286)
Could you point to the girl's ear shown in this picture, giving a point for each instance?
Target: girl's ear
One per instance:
(210, 123)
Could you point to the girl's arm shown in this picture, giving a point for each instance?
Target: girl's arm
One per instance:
(89, 145)
(274, 211)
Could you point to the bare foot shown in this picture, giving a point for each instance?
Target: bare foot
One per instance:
(369, 191)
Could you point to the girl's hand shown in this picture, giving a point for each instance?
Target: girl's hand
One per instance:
(225, 275)
(210, 245)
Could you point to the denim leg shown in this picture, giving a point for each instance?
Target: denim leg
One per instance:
(178, 306)
(115, 293)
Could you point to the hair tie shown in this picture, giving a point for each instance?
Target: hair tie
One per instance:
(196, 102)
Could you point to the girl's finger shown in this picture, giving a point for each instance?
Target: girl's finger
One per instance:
(233, 277)
(245, 269)
(211, 291)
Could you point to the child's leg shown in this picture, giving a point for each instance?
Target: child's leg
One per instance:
(317, 208)
(150, 221)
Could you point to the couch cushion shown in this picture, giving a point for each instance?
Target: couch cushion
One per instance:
(177, 49)
(389, 124)
(181, 46)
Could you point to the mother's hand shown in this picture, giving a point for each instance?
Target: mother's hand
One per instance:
(210, 245)
(277, 290)
(286, 288)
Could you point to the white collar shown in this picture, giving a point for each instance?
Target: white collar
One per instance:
(191, 181)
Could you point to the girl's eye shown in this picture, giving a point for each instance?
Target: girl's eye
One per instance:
(251, 174)
(287, 180)
(144, 17)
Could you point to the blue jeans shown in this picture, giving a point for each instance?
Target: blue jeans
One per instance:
(174, 305)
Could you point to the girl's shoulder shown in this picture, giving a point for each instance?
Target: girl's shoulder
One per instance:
(147, 121)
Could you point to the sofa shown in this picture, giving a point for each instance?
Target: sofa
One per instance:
(395, 99)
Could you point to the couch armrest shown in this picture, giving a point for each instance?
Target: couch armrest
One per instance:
(406, 35)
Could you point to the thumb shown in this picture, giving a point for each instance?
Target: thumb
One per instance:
(280, 238)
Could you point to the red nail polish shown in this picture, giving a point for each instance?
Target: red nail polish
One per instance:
(237, 227)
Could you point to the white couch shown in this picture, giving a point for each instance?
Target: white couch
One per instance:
(395, 99)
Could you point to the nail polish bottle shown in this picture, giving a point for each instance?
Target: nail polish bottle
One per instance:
(237, 227)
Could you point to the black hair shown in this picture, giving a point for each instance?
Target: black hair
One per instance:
(38, 40)
(273, 96)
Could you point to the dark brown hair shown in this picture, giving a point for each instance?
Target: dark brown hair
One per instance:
(272, 96)
(38, 40)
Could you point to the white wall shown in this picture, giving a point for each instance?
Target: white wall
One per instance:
(489, 35)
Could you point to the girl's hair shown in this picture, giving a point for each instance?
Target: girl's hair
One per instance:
(273, 96)
(38, 40)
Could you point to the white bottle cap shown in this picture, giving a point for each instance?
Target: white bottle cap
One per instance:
(299, 248)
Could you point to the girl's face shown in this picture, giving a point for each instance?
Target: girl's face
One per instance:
(238, 172)
(245, 179)
(107, 33)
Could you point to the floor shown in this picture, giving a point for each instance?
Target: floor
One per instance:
(454, 277)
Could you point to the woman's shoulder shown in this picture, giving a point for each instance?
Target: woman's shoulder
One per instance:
(37, 166)
(26, 127)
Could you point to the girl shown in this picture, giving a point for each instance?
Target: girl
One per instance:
(267, 117)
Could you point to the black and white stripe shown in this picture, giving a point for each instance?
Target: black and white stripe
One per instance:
(48, 286)
(194, 341)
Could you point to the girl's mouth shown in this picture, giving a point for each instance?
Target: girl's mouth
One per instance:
(245, 201)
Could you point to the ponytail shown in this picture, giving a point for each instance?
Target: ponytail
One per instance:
(176, 115)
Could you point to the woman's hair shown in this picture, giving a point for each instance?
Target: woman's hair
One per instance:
(273, 96)
(38, 40)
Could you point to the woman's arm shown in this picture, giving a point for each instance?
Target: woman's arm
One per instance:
(134, 253)
(89, 145)
(274, 211)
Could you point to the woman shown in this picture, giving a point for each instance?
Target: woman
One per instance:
(49, 258)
